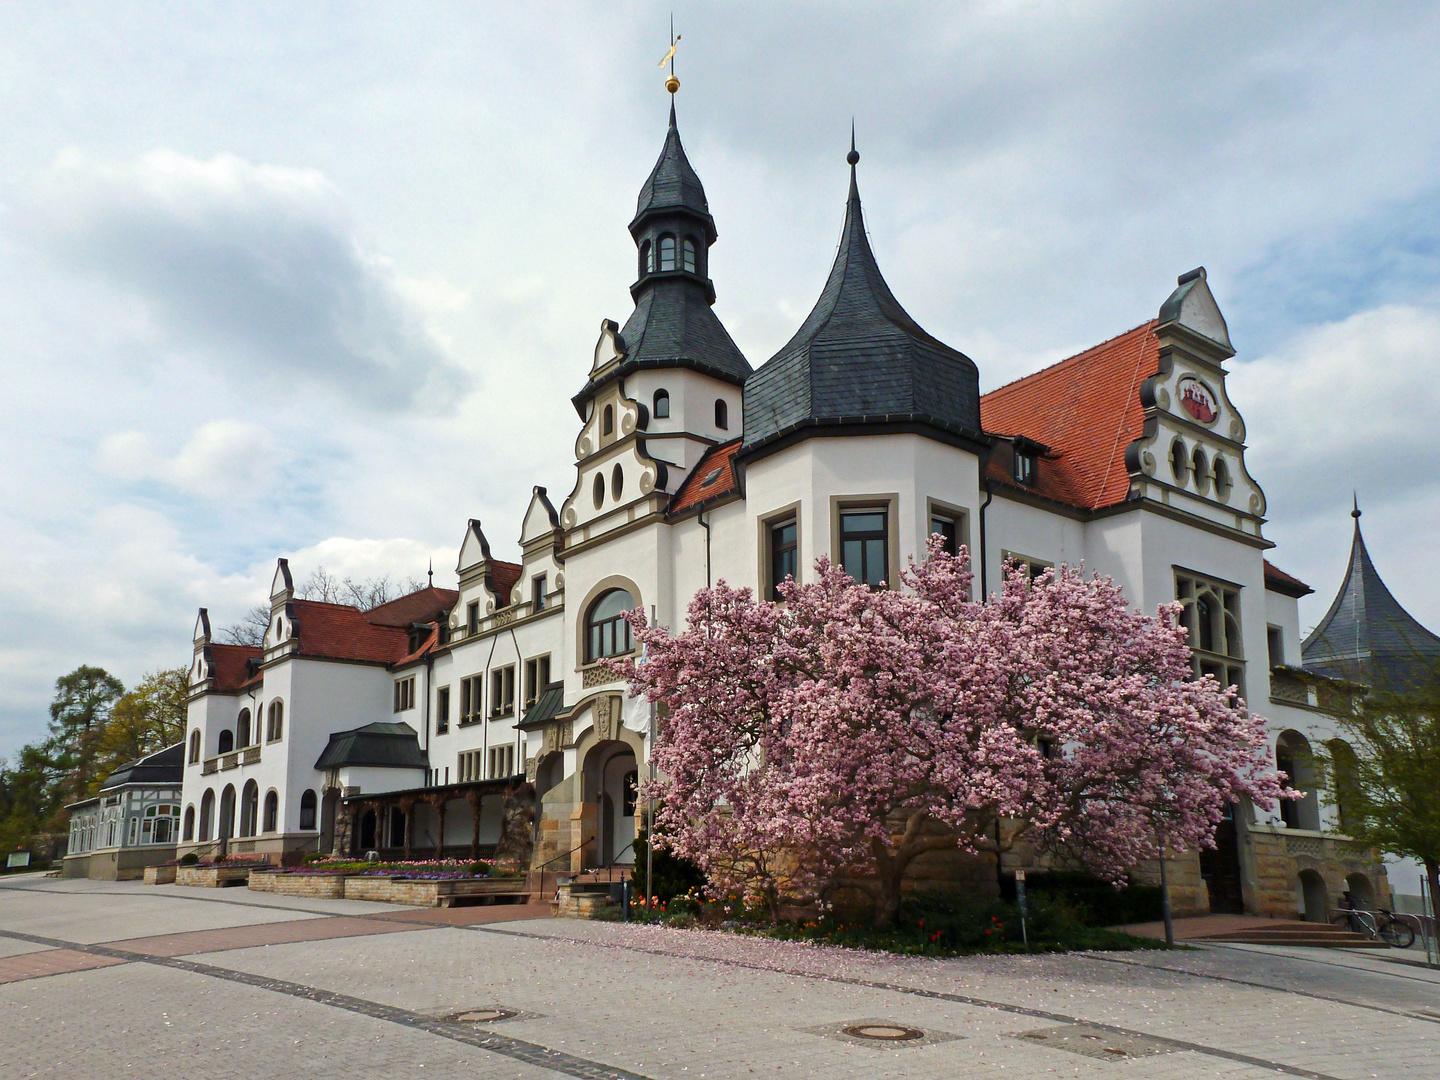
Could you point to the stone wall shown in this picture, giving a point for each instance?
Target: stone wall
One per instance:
(312, 886)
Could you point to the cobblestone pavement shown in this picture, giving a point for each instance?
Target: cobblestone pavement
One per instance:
(99, 979)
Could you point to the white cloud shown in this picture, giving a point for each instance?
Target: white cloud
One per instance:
(255, 266)
(223, 459)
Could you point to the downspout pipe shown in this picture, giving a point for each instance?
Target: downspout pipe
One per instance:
(984, 562)
(704, 521)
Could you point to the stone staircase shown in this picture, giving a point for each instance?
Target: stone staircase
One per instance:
(1309, 934)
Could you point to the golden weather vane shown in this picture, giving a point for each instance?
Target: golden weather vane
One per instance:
(671, 83)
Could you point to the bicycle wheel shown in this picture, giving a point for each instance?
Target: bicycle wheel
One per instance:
(1398, 934)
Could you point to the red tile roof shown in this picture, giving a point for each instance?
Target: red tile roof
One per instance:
(713, 476)
(1276, 580)
(1087, 411)
(503, 576)
(341, 632)
(423, 605)
(229, 664)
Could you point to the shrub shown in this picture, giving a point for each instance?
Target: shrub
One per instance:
(480, 869)
(189, 859)
(674, 876)
(1094, 901)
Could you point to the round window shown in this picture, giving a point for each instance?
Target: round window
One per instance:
(1202, 474)
(617, 482)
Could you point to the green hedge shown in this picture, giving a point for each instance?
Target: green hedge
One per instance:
(1096, 901)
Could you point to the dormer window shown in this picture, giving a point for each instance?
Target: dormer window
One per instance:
(1026, 467)
(607, 421)
(647, 258)
(722, 414)
(688, 254)
(667, 253)
(662, 405)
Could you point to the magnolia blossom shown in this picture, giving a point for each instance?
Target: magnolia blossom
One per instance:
(833, 737)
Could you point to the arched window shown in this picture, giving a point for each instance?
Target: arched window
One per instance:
(599, 490)
(606, 631)
(1222, 479)
(242, 728)
(194, 746)
(667, 253)
(1179, 461)
(607, 421)
(687, 254)
(272, 810)
(227, 741)
(275, 721)
(189, 833)
(249, 808)
(617, 482)
(1202, 474)
(662, 404)
(207, 814)
(307, 810)
(1296, 760)
(722, 415)
(646, 263)
(1346, 768)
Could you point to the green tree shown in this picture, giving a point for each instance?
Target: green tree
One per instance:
(148, 718)
(79, 714)
(1387, 779)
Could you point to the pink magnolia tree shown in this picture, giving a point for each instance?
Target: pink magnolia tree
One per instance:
(838, 735)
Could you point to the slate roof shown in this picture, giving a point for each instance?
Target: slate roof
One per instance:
(1367, 636)
(673, 325)
(422, 606)
(164, 768)
(549, 704)
(341, 632)
(860, 358)
(230, 664)
(717, 466)
(673, 183)
(1086, 410)
(380, 745)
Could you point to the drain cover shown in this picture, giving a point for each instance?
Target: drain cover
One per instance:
(1096, 1042)
(484, 1016)
(883, 1032)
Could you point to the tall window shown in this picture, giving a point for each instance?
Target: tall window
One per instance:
(1179, 461)
(502, 691)
(647, 262)
(1223, 483)
(275, 722)
(783, 554)
(722, 414)
(863, 543)
(688, 254)
(607, 421)
(947, 527)
(1026, 467)
(502, 762)
(242, 728)
(471, 690)
(189, 822)
(537, 677)
(662, 404)
(227, 741)
(307, 810)
(272, 811)
(472, 618)
(194, 746)
(606, 631)
(1210, 611)
(667, 253)
(1275, 645)
(405, 694)
(1202, 473)
(442, 710)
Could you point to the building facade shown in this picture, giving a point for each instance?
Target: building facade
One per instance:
(133, 822)
(858, 440)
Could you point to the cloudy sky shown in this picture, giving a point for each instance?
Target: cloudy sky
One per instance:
(318, 280)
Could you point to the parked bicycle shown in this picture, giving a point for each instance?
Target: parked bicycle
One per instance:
(1394, 930)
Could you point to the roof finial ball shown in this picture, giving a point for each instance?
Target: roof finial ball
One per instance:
(671, 82)
(1355, 502)
(853, 157)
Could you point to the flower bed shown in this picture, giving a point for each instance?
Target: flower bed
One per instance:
(415, 869)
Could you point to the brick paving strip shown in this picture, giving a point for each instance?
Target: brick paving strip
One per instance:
(471, 1035)
(38, 965)
(940, 995)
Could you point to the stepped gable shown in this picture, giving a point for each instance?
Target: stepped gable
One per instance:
(422, 606)
(712, 477)
(860, 360)
(232, 664)
(1086, 410)
(1367, 636)
(341, 632)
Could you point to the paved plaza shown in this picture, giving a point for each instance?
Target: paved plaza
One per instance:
(107, 980)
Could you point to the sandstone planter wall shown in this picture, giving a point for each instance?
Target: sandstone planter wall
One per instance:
(160, 875)
(211, 877)
(312, 886)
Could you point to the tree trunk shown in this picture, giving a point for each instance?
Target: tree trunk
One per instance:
(1432, 874)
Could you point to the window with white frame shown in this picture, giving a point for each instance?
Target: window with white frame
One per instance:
(502, 691)
(442, 710)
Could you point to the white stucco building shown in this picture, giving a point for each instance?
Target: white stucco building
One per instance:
(433, 723)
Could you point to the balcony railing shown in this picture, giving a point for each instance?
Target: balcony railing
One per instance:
(252, 755)
(230, 761)
(210, 765)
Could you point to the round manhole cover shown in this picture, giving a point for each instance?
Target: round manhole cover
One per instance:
(484, 1016)
(884, 1032)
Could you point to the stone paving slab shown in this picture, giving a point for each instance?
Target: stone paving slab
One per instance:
(38, 965)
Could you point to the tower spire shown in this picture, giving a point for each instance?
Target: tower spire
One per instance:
(671, 82)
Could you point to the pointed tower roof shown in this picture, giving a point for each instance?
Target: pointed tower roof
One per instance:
(1367, 636)
(673, 184)
(860, 359)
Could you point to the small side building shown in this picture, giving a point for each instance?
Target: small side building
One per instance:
(133, 822)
